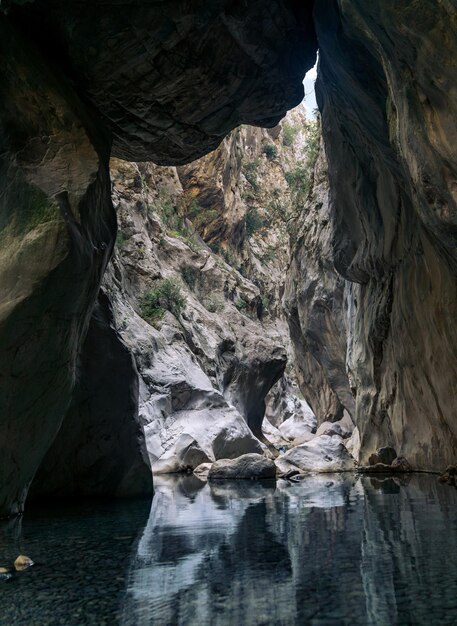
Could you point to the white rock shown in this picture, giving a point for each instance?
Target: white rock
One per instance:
(247, 466)
(301, 423)
(272, 434)
(353, 444)
(321, 454)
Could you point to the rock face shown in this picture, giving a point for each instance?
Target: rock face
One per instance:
(315, 302)
(100, 448)
(204, 372)
(57, 230)
(163, 82)
(372, 291)
(224, 63)
(388, 116)
(194, 381)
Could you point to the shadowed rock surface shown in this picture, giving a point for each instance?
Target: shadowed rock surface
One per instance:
(388, 116)
(316, 308)
(57, 229)
(171, 79)
(166, 81)
(100, 448)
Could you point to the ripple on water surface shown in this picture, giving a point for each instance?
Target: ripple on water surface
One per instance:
(333, 549)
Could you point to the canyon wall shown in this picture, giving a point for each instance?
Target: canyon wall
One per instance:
(193, 373)
(385, 90)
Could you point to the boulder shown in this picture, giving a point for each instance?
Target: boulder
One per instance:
(272, 434)
(400, 464)
(298, 425)
(330, 429)
(384, 455)
(189, 452)
(202, 470)
(449, 475)
(321, 454)
(253, 466)
(304, 438)
(230, 443)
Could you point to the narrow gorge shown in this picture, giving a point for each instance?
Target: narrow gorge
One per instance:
(203, 281)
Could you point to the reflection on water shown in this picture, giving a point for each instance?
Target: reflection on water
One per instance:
(329, 550)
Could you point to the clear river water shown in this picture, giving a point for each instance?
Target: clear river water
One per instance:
(333, 549)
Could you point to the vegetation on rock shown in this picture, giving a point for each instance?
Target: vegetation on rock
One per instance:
(167, 296)
(270, 151)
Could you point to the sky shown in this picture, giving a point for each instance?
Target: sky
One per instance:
(309, 101)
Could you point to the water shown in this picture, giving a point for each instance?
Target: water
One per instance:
(330, 550)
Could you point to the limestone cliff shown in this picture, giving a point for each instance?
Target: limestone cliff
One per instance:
(316, 305)
(388, 112)
(372, 295)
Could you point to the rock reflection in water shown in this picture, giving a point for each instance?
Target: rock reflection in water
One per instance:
(334, 549)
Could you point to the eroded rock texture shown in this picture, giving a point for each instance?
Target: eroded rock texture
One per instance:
(388, 106)
(315, 302)
(204, 373)
(170, 80)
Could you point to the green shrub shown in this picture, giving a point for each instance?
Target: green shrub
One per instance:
(230, 257)
(253, 221)
(167, 296)
(312, 143)
(270, 151)
(241, 304)
(289, 133)
(193, 245)
(120, 239)
(190, 275)
(299, 179)
(249, 169)
(169, 214)
(215, 246)
(193, 209)
(213, 304)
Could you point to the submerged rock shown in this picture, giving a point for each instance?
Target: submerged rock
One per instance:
(22, 562)
(321, 454)
(449, 475)
(253, 466)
